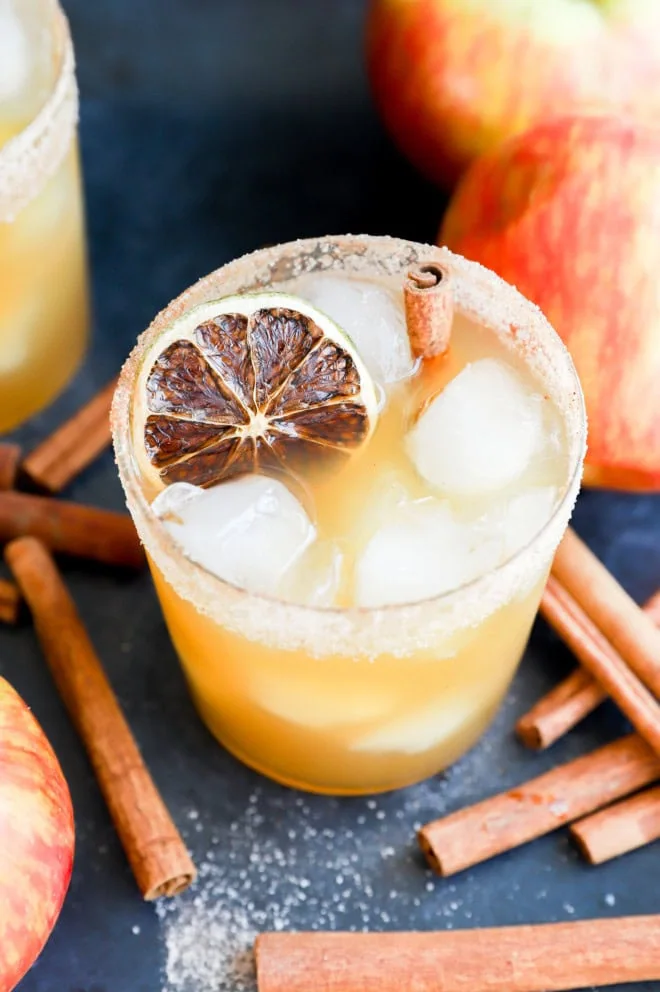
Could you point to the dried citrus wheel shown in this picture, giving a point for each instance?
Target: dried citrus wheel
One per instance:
(255, 383)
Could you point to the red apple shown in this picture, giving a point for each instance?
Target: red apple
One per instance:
(570, 213)
(453, 78)
(36, 838)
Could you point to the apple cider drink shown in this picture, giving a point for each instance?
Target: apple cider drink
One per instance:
(349, 542)
(43, 294)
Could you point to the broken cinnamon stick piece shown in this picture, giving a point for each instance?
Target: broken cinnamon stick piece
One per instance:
(620, 828)
(72, 528)
(537, 807)
(628, 629)
(10, 457)
(72, 447)
(156, 852)
(429, 307)
(560, 710)
(9, 602)
(569, 702)
(551, 957)
(597, 655)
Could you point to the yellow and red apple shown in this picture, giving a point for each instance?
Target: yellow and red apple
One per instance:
(570, 213)
(453, 78)
(36, 838)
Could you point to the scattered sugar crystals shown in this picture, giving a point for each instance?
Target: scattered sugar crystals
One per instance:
(276, 864)
(208, 941)
(309, 875)
(364, 871)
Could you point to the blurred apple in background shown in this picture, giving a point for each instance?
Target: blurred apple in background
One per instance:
(453, 78)
(36, 838)
(570, 213)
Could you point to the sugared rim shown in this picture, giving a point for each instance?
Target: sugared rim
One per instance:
(33, 155)
(479, 294)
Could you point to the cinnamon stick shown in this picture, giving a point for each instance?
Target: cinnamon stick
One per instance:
(537, 807)
(620, 828)
(543, 958)
(571, 701)
(560, 710)
(605, 664)
(9, 602)
(629, 630)
(429, 306)
(72, 447)
(10, 457)
(72, 528)
(153, 845)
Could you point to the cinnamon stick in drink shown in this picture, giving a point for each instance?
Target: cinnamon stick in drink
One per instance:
(9, 602)
(429, 306)
(569, 702)
(72, 528)
(629, 630)
(546, 958)
(10, 457)
(537, 807)
(153, 845)
(72, 447)
(620, 828)
(605, 664)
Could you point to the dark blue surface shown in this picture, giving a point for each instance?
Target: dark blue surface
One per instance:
(209, 129)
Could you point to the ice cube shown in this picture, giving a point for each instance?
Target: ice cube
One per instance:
(249, 531)
(170, 503)
(421, 552)
(527, 514)
(14, 52)
(516, 521)
(314, 579)
(372, 317)
(385, 492)
(316, 702)
(422, 731)
(480, 433)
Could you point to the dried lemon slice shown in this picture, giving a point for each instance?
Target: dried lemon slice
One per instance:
(255, 383)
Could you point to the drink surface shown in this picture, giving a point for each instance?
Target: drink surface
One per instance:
(451, 483)
(43, 294)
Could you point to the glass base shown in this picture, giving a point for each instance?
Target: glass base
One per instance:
(319, 790)
(292, 783)
(432, 766)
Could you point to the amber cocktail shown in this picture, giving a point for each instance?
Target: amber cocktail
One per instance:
(349, 560)
(43, 290)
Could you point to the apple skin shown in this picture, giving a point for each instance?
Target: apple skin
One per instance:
(36, 838)
(569, 212)
(453, 78)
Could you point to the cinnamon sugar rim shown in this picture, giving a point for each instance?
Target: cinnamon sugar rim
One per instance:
(395, 629)
(31, 157)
